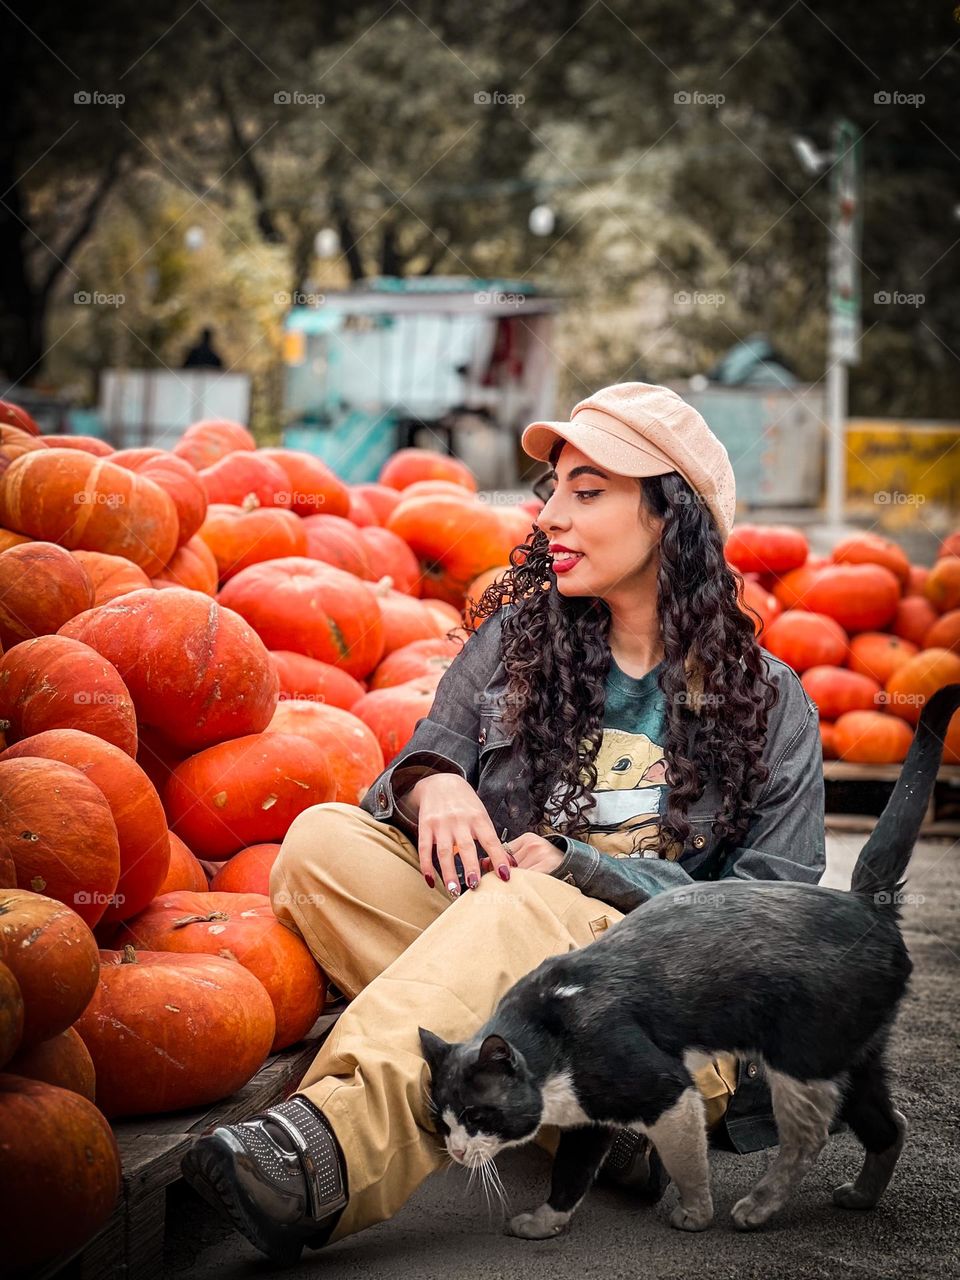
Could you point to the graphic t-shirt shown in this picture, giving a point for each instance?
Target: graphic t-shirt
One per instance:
(624, 818)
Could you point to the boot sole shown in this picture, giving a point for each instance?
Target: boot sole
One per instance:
(209, 1170)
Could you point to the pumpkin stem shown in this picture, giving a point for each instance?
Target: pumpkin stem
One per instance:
(250, 502)
(383, 585)
(129, 953)
(214, 915)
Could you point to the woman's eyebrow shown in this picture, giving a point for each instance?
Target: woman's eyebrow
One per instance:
(585, 471)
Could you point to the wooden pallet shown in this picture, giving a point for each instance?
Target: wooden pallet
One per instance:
(130, 1245)
(857, 793)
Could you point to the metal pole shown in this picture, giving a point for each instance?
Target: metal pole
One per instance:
(836, 441)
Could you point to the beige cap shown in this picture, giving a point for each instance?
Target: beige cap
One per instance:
(640, 429)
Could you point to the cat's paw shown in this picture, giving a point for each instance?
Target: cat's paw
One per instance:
(697, 1218)
(543, 1224)
(848, 1197)
(749, 1213)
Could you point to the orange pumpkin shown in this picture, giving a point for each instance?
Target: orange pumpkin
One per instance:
(206, 442)
(314, 489)
(11, 1014)
(206, 1018)
(56, 683)
(184, 871)
(88, 444)
(247, 871)
(193, 566)
(870, 737)
(196, 672)
(828, 740)
(804, 639)
(389, 556)
(755, 599)
(449, 615)
(860, 597)
(380, 498)
(14, 443)
(41, 588)
(423, 488)
(918, 578)
(942, 587)
(791, 589)
(314, 681)
(407, 466)
(134, 803)
(311, 608)
(63, 1060)
(246, 791)
(246, 479)
(57, 826)
(393, 713)
(337, 541)
(111, 576)
(914, 617)
(766, 548)
(871, 548)
(63, 1152)
(950, 546)
(52, 955)
(349, 746)
(239, 537)
(454, 541)
(12, 415)
(945, 632)
(836, 691)
(83, 502)
(361, 513)
(414, 661)
(243, 927)
(878, 654)
(8, 539)
(177, 478)
(405, 619)
(912, 684)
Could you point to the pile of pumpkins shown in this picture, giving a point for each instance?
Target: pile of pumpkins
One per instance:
(871, 635)
(197, 645)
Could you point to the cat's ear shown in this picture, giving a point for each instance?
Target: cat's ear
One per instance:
(434, 1049)
(497, 1053)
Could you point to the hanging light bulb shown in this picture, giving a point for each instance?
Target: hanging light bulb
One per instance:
(194, 238)
(326, 243)
(542, 220)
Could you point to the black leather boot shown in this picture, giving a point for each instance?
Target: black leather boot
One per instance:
(279, 1178)
(632, 1163)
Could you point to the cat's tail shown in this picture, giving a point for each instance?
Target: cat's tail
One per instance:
(883, 859)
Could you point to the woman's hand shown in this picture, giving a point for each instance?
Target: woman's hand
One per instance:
(534, 853)
(450, 815)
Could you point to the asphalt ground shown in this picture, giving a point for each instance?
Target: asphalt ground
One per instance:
(445, 1231)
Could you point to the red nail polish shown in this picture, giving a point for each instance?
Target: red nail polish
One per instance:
(430, 880)
(503, 873)
(472, 881)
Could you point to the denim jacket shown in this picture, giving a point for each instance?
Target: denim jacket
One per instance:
(464, 733)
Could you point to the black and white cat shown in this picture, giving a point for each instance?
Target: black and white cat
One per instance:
(807, 979)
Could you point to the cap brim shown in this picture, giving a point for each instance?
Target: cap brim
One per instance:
(619, 456)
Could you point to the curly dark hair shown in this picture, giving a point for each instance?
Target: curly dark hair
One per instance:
(557, 656)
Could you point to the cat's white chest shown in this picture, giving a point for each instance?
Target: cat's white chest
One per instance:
(560, 1104)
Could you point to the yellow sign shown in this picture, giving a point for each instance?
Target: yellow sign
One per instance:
(903, 465)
